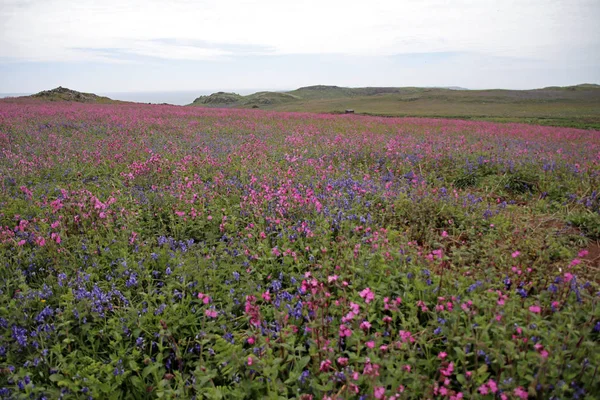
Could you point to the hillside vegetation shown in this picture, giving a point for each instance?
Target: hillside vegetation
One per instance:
(64, 94)
(577, 106)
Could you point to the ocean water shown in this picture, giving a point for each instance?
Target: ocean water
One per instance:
(177, 98)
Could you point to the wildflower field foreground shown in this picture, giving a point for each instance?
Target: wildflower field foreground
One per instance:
(173, 252)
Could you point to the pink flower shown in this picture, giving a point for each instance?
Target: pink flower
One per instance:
(266, 296)
(568, 277)
(442, 355)
(583, 253)
(332, 278)
(521, 393)
(204, 297)
(406, 337)
(370, 344)
(516, 254)
(211, 313)
(379, 392)
(365, 325)
(250, 361)
(367, 294)
(493, 386)
(345, 331)
(343, 361)
(483, 389)
(250, 340)
(325, 365)
(444, 234)
(535, 309)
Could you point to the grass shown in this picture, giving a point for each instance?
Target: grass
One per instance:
(575, 106)
(151, 251)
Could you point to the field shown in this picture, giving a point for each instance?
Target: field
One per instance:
(187, 252)
(571, 106)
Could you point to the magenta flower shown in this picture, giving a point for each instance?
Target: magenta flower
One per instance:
(345, 331)
(535, 309)
(568, 277)
(343, 361)
(266, 296)
(204, 297)
(368, 295)
(365, 325)
(521, 393)
(325, 365)
(379, 392)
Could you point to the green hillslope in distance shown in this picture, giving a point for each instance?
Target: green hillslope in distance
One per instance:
(577, 106)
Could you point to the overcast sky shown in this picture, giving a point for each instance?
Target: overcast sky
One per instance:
(149, 45)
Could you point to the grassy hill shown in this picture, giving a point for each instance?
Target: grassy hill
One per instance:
(577, 106)
(63, 94)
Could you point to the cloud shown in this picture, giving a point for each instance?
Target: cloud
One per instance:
(65, 30)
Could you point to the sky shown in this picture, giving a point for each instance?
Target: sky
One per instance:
(111, 46)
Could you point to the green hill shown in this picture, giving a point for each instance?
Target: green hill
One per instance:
(577, 106)
(63, 94)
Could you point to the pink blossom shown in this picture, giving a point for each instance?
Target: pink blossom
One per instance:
(266, 296)
(444, 234)
(250, 361)
(568, 277)
(535, 309)
(483, 389)
(211, 313)
(442, 355)
(332, 278)
(325, 365)
(343, 361)
(250, 340)
(370, 344)
(406, 337)
(204, 297)
(345, 331)
(365, 325)
(367, 294)
(521, 393)
(379, 392)
(516, 254)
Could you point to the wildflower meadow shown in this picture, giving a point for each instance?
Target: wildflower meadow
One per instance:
(175, 252)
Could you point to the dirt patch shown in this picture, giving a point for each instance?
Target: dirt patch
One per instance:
(593, 255)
